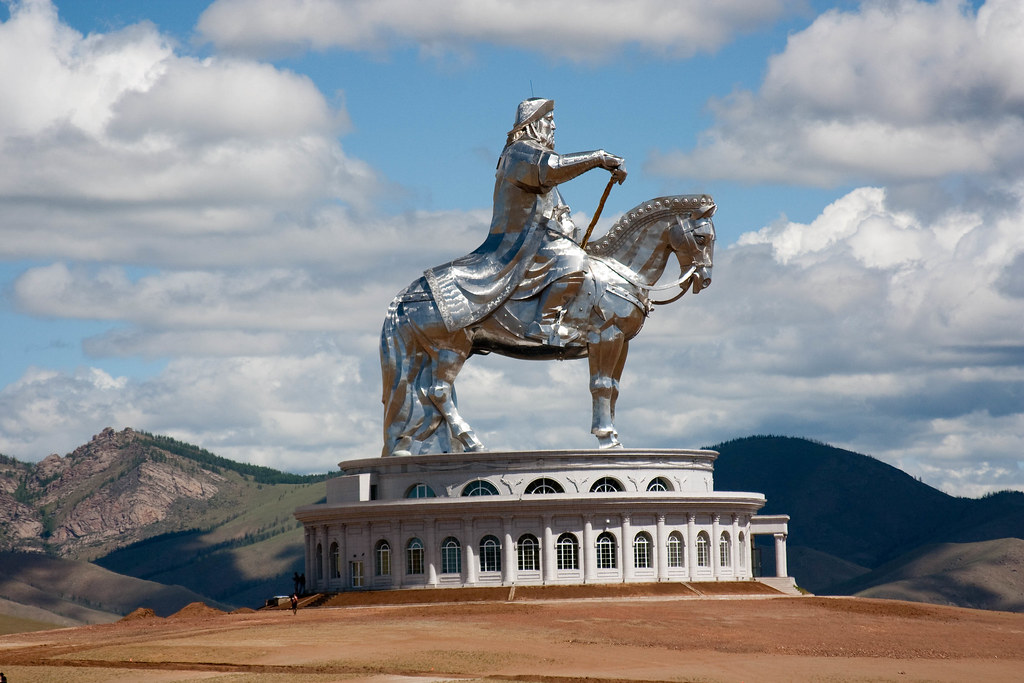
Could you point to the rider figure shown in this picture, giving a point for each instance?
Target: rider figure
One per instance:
(531, 246)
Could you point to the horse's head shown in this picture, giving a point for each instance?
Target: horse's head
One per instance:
(693, 241)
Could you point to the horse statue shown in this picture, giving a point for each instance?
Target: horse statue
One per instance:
(421, 358)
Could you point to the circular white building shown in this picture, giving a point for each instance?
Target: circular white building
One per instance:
(533, 518)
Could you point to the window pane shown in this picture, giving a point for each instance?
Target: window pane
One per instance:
(382, 559)
(414, 557)
(451, 556)
(479, 488)
(606, 485)
(567, 552)
(490, 554)
(529, 555)
(544, 486)
(420, 491)
(642, 551)
(675, 551)
(606, 551)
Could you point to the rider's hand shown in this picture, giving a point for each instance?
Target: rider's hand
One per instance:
(617, 165)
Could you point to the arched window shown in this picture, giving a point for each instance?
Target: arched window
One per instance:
(703, 551)
(414, 556)
(544, 485)
(743, 551)
(567, 551)
(642, 547)
(319, 561)
(382, 558)
(529, 553)
(335, 562)
(479, 487)
(606, 551)
(659, 484)
(451, 556)
(420, 491)
(676, 552)
(606, 485)
(724, 550)
(490, 554)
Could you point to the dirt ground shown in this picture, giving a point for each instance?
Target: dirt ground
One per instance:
(681, 637)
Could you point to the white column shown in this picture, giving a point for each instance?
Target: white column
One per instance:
(431, 553)
(509, 564)
(548, 553)
(734, 539)
(661, 549)
(589, 554)
(325, 565)
(626, 545)
(310, 547)
(691, 546)
(470, 570)
(343, 558)
(716, 531)
(780, 555)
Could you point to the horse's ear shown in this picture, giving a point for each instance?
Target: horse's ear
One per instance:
(704, 212)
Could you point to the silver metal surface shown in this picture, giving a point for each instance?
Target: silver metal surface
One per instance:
(530, 291)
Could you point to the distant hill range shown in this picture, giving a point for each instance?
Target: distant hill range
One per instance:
(132, 519)
(860, 526)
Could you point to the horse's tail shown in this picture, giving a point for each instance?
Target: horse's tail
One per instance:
(402, 363)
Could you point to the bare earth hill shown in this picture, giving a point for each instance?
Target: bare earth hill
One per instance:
(73, 592)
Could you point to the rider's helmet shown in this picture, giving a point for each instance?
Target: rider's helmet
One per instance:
(531, 110)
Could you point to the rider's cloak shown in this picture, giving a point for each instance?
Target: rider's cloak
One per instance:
(518, 247)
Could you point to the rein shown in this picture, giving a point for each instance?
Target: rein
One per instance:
(682, 281)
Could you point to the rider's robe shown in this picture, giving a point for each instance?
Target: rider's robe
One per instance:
(525, 241)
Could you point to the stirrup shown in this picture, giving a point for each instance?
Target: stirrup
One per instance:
(540, 332)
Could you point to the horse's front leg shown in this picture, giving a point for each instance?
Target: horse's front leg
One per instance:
(442, 395)
(605, 366)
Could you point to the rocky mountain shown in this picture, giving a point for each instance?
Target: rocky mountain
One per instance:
(157, 509)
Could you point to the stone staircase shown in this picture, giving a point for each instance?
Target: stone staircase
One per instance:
(783, 584)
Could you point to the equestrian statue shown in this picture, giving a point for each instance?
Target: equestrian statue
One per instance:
(535, 290)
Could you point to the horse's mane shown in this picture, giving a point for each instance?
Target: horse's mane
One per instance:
(640, 216)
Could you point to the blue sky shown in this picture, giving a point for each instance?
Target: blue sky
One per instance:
(206, 206)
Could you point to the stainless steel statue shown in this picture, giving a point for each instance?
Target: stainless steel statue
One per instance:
(532, 291)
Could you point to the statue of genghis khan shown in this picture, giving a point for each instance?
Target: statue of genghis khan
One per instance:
(535, 290)
(533, 243)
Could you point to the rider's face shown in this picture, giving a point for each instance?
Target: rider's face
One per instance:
(546, 129)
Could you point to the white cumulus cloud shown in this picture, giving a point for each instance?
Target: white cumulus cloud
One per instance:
(887, 92)
(559, 28)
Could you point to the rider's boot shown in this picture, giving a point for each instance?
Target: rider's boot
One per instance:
(551, 328)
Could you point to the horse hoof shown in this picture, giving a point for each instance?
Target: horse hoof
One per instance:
(400, 453)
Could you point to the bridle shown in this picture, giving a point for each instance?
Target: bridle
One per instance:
(684, 278)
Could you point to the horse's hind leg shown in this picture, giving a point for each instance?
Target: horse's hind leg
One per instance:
(606, 361)
(442, 395)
